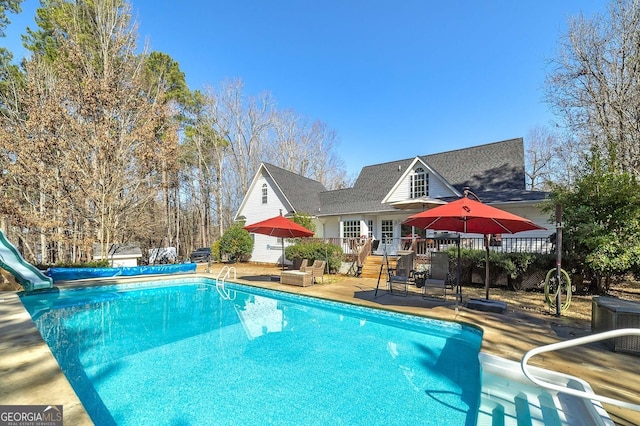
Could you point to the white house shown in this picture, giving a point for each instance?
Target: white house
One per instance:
(384, 195)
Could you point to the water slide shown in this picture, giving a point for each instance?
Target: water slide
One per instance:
(27, 275)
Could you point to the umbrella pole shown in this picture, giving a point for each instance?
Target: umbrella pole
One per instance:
(283, 253)
(458, 286)
(486, 267)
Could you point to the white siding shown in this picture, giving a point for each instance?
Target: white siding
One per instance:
(437, 188)
(331, 227)
(255, 211)
(119, 261)
(124, 262)
(402, 191)
(327, 227)
(528, 212)
(266, 249)
(535, 215)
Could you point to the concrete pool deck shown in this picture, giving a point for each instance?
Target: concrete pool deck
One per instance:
(29, 373)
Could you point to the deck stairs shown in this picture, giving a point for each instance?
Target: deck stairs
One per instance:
(371, 266)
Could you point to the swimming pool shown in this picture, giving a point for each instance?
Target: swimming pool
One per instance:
(174, 352)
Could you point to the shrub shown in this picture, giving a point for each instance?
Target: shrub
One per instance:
(315, 250)
(216, 256)
(236, 242)
(600, 212)
(514, 265)
(103, 263)
(304, 220)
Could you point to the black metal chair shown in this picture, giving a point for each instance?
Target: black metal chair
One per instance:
(438, 276)
(397, 284)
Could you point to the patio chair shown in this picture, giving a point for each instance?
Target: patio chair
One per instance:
(317, 270)
(438, 274)
(303, 265)
(397, 283)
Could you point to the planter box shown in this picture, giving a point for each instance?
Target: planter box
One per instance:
(610, 313)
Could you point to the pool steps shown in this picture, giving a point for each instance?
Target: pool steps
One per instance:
(605, 335)
(532, 405)
(225, 273)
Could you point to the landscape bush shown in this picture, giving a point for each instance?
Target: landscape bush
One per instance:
(104, 263)
(236, 242)
(315, 250)
(514, 265)
(216, 256)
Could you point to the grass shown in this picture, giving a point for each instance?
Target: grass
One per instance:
(578, 312)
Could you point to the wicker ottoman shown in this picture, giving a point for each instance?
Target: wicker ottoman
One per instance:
(302, 279)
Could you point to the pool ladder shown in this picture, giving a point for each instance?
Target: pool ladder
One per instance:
(225, 273)
(577, 342)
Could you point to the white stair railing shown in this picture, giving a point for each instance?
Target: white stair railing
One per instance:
(577, 342)
(225, 273)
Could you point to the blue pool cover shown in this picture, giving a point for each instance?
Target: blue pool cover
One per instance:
(65, 274)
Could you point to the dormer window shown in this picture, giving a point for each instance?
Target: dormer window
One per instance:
(264, 193)
(419, 183)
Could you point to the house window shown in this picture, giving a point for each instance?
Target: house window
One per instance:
(264, 193)
(351, 229)
(387, 231)
(419, 183)
(370, 228)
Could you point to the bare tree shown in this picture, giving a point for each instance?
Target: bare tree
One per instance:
(231, 134)
(203, 156)
(243, 122)
(539, 157)
(326, 166)
(305, 148)
(30, 144)
(570, 156)
(85, 142)
(214, 148)
(593, 86)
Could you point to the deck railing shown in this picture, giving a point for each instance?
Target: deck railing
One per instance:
(424, 246)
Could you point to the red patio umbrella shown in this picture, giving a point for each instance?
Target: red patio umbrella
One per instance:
(279, 226)
(470, 216)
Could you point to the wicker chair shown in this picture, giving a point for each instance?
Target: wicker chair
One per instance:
(303, 265)
(317, 270)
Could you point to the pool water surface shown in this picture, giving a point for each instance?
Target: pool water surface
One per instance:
(175, 352)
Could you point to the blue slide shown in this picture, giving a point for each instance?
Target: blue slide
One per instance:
(27, 275)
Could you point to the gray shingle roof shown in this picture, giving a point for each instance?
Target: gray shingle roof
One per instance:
(495, 172)
(490, 167)
(302, 193)
(508, 195)
(350, 200)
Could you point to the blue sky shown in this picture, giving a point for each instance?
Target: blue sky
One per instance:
(394, 79)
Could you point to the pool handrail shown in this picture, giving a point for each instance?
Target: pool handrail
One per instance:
(225, 273)
(577, 342)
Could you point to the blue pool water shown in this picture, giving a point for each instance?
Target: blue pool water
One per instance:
(175, 352)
